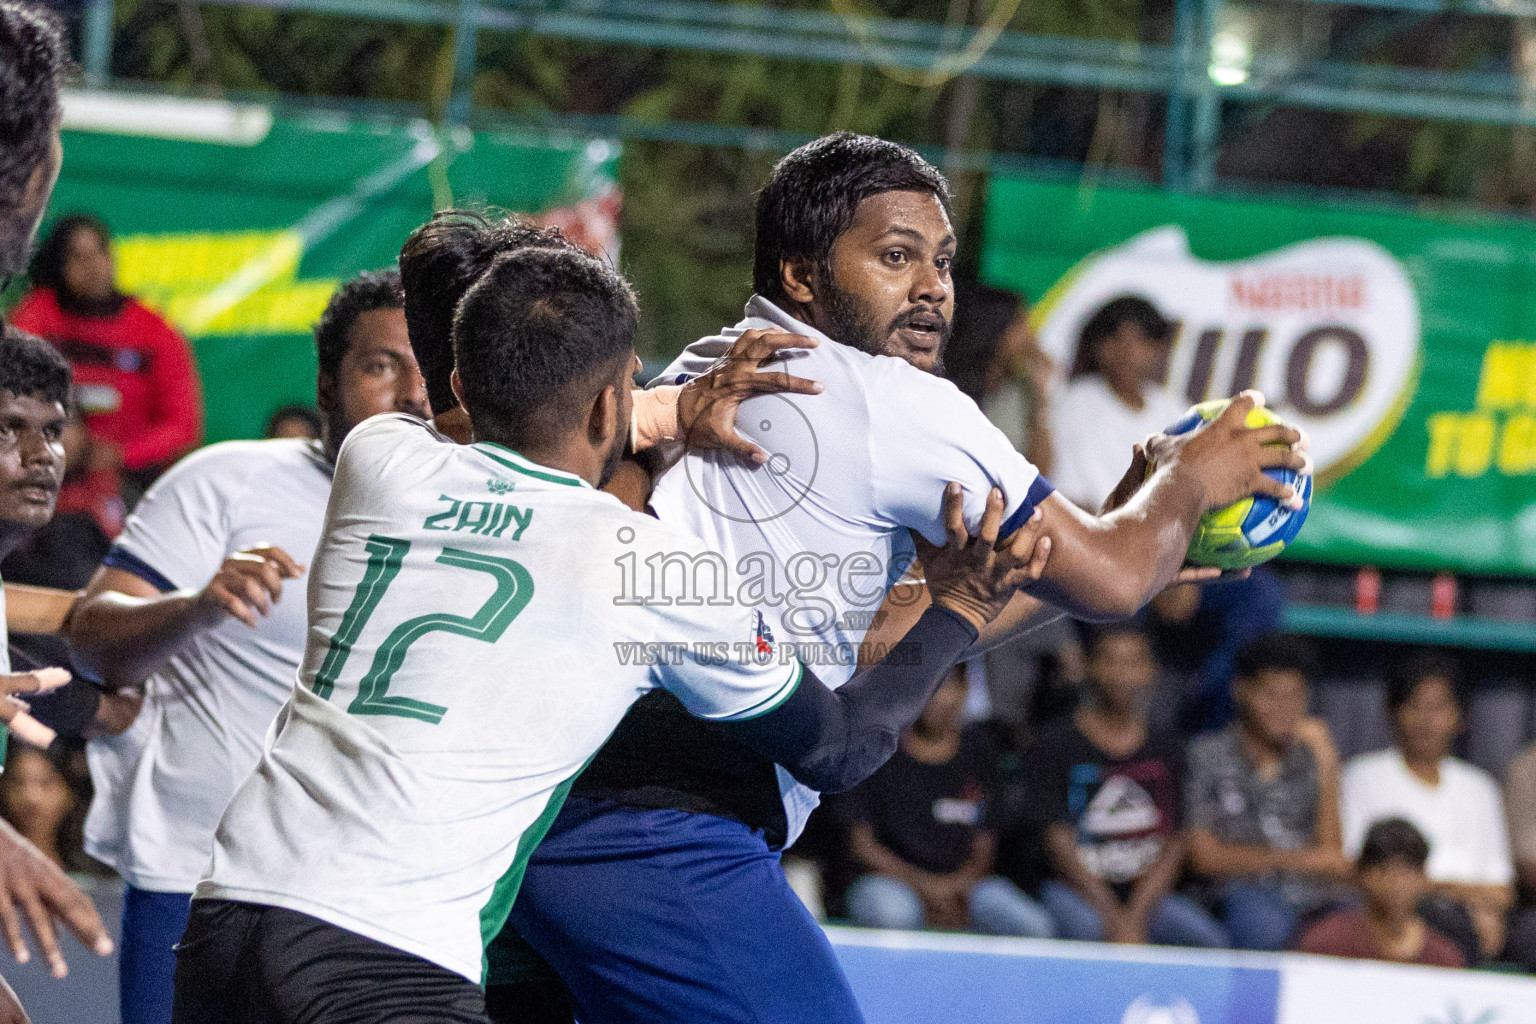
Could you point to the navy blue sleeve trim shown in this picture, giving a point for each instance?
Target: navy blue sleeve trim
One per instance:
(120, 558)
(1038, 492)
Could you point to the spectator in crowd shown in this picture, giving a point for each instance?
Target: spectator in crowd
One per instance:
(994, 358)
(1390, 874)
(1111, 791)
(35, 797)
(134, 376)
(294, 421)
(1262, 799)
(1113, 400)
(1456, 806)
(919, 828)
(1520, 804)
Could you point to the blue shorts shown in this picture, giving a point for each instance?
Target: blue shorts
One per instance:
(668, 915)
(146, 969)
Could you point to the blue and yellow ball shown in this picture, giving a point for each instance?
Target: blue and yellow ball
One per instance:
(1252, 531)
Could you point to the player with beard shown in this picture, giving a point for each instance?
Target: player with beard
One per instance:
(657, 893)
(33, 56)
(464, 662)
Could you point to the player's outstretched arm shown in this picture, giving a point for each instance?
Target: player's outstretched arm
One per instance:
(33, 886)
(833, 740)
(123, 628)
(1109, 566)
(702, 413)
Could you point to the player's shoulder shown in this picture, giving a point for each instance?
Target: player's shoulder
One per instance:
(240, 463)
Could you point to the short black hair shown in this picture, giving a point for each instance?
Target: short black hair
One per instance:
(368, 291)
(439, 263)
(1393, 839)
(1404, 677)
(308, 413)
(32, 368)
(1110, 317)
(1275, 652)
(48, 264)
(535, 337)
(812, 194)
(33, 63)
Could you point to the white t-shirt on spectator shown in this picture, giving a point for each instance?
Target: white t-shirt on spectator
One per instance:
(1463, 817)
(1093, 431)
(162, 785)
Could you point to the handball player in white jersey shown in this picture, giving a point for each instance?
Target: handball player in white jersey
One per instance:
(472, 644)
(671, 836)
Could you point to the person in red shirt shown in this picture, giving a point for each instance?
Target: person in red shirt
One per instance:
(1390, 873)
(134, 375)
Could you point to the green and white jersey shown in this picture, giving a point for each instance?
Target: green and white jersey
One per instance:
(472, 642)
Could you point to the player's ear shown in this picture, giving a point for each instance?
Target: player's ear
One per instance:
(325, 392)
(603, 418)
(795, 279)
(458, 387)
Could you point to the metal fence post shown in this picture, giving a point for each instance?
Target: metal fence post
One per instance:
(464, 40)
(96, 42)
(1206, 135)
(1176, 123)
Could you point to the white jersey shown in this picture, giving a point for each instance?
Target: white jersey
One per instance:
(819, 534)
(475, 636)
(161, 786)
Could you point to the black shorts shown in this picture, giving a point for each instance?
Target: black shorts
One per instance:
(244, 963)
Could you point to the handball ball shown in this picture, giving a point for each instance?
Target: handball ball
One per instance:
(1251, 531)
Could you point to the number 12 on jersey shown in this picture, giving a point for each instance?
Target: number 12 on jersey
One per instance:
(386, 555)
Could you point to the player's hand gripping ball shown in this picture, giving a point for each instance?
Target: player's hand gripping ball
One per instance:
(1252, 531)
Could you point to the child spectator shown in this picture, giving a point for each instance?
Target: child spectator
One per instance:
(36, 799)
(1115, 398)
(1110, 786)
(918, 827)
(1391, 876)
(1456, 806)
(134, 375)
(1263, 801)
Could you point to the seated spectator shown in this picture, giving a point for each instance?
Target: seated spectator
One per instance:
(36, 799)
(295, 421)
(1456, 806)
(1520, 805)
(918, 827)
(1262, 800)
(134, 375)
(1390, 874)
(1114, 399)
(1110, 789)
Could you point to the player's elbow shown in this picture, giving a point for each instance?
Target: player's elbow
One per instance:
(1119, 596)
(837, 771)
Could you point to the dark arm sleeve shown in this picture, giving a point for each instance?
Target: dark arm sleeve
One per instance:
(832, 740)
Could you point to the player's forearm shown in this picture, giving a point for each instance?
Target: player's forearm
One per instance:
(120, 640)
(833, 740)
(1110, 566)
(36, 609)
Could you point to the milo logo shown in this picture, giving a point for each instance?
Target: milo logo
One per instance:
(1328, 329)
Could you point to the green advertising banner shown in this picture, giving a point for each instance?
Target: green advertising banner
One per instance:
(240, 242)
(1404, 344)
